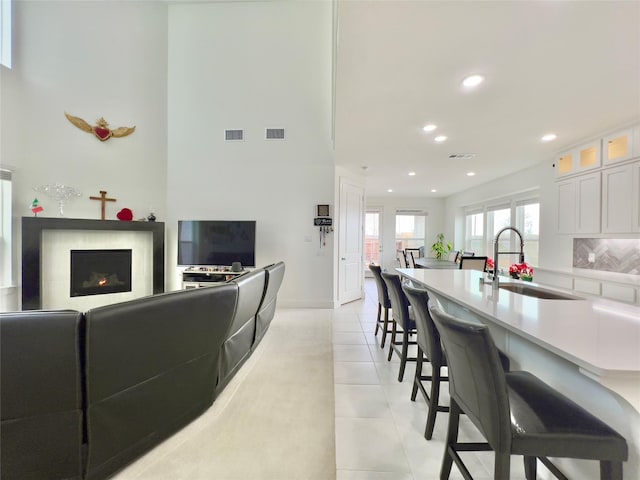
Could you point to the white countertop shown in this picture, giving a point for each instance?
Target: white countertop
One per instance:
(600, 336)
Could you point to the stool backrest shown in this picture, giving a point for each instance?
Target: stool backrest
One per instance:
(427, 336)
(399, 302)
(383, 294)
(476, 378)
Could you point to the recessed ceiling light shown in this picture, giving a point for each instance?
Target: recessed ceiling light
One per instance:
(470, 174)
(473, 80)
(429, 128)
(440, 138)
(433, 190)
(390, 190)
(412, 174)
(548, 137)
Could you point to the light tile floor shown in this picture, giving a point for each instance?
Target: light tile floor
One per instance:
(379, 430)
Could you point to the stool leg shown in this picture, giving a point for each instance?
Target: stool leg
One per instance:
(433, 402)
(405, 351)
(392, 341)
(378, 319)
(385, 326)
(502, 465)
(530, 464)
(416, 377)
(610, 470)
(452, 438)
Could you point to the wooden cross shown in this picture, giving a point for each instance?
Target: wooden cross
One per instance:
(103, 198)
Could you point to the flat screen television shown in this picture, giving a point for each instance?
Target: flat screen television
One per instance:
(217, 242)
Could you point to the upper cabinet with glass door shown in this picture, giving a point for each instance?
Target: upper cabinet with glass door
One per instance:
(619, 146)
(580, 159)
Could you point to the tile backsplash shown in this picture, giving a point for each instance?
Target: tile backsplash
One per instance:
(611, 255)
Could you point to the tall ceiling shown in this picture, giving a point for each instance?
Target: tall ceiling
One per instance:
(571, 68)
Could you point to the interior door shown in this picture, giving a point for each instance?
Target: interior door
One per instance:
(350, 245)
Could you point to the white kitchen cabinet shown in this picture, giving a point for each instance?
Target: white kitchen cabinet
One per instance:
(617, 147)
(623, 293)
(553, 279)
(620, 199)
(566, 196)
(586, 285)
(583, 158)
(579, 204)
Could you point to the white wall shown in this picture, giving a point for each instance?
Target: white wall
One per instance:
(434, 208)
(251, 66)
(90, 59)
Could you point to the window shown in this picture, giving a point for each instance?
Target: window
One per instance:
(497, 219)
(5, 228)
(475, 237)
(484, 222)
(410, 231)
(5, 33)
(528, 222)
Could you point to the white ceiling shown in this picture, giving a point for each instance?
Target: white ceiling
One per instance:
(571, 68)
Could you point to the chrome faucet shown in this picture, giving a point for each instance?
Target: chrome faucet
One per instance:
(496, 252)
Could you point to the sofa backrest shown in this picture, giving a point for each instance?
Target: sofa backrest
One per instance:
(239, 339)
(266, 311)
(151, 367)
(41, 395)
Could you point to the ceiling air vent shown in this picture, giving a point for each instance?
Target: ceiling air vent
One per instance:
(234, 134)
(275, 133)
(462, 156)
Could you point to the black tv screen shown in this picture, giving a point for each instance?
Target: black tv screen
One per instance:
(217, 242)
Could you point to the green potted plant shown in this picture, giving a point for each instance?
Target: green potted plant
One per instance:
(441, 246)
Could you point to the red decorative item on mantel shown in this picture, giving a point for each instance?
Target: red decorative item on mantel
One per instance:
(125, 215)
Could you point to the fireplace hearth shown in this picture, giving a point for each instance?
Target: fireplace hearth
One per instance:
(100, 272)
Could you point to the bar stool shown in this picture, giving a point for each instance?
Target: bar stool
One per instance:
(428, 340)
(402, 315)
(516, 412)
(383, 302)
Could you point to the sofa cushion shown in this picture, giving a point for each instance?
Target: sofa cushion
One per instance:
(151, 368)
(41, 404)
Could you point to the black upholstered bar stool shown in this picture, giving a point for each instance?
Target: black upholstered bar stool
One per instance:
(516, 412)
(403, 316)
(428, 340)
(383, 302)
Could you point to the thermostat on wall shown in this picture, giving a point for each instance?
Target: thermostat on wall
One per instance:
(323, 222)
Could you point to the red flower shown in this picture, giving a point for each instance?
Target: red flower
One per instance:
(522, 269)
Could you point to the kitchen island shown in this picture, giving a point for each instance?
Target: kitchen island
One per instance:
(586, 347)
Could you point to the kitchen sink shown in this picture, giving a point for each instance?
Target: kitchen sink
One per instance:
(537, 292)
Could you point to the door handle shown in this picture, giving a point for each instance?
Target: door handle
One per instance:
(343, 258)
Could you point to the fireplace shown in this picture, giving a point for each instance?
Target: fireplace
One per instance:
(99, 272)
(46, 246)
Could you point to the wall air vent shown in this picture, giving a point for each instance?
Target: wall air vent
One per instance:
(462, 156)
(234, 134)
(275, 133)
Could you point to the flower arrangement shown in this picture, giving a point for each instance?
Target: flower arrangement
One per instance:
(523, 271)
(490, 264)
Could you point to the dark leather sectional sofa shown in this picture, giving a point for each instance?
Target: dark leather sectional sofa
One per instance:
(84, 394)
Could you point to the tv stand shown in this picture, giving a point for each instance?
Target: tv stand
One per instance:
(196, 277)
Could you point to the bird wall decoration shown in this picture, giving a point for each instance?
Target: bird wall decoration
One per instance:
(101, 130)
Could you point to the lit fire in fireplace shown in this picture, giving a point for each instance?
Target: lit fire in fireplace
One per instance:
(103, 282)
